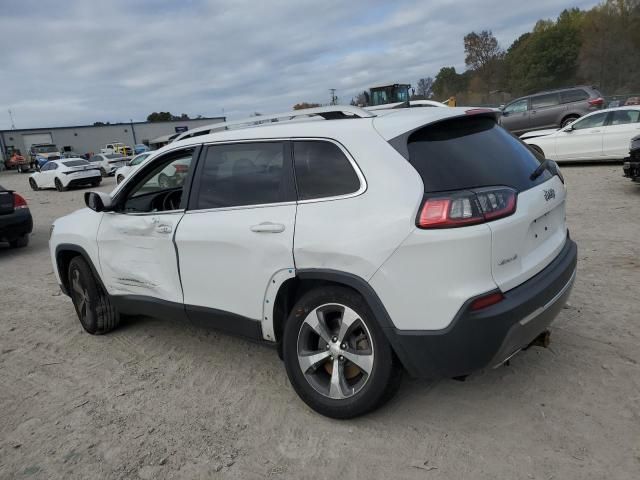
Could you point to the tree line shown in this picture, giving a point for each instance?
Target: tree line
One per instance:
(597, 47)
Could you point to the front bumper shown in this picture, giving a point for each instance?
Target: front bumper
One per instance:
(485, 338)
(15, 225)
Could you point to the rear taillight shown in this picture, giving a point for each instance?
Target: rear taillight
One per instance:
(467, 207)
(596, 102)
(486, 301)
(19, 202)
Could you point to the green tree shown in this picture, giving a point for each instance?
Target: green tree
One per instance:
(483, 56)
(448, 82)
(547, 57)
(303, 105)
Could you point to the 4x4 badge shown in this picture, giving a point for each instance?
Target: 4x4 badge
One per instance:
(549, 194)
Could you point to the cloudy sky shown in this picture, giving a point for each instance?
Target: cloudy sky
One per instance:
(73, 62)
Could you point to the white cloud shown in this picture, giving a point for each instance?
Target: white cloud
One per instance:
(81, 61)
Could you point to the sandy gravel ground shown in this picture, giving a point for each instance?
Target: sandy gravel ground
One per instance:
(157, 399)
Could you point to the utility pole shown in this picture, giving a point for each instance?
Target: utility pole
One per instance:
(334, 99)
(133, 132)
(13, 125)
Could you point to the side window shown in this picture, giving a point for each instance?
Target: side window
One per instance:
(242, 174)
(517, 107)
(322, 170)
(591, 121)
(576, 95)
(46, 166)
(622, 117)
(159, 188)
(544, 101)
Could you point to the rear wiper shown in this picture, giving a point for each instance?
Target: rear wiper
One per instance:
(540, 169)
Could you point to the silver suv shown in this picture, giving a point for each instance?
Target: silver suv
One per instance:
(550, 109)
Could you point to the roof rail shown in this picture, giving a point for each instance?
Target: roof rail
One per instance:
(333, 112)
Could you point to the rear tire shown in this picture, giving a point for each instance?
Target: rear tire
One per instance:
(103, 172)
(59, 185)
(21, 242)
(94, 308)
(348, 330)
(119, 179)
(567, 120)
(33, 184)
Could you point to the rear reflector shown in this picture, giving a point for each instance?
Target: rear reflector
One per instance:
(467, 207)
(486, 301)
(19, 202)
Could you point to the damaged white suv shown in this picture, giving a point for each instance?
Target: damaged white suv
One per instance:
(427, 240)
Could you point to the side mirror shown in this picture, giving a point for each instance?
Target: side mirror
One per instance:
(98, 201)
(501, 107)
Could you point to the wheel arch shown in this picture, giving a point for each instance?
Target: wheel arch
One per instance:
(65, 252)
(305, 280)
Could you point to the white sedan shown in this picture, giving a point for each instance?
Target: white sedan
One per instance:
(124, 172)
(108, 163)
(62, 174)
(601, 135)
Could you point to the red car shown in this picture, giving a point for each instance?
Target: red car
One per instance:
(18, 161)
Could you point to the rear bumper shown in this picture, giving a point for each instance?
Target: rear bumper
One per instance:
(15, 225)
(485, 338)
(631, 169)
(74, 182)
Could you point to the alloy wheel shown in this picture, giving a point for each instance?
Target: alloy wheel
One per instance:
(81, 298)
(335, 351)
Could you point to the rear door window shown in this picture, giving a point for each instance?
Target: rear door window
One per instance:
(622, 117)
(575, 95)
(243, 174)
(544, 101)
(470, 152)
(323, 170)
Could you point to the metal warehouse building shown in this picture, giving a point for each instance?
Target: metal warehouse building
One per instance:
(91, 138)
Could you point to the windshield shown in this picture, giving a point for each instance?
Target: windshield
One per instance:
(75, 163)
(46, 149)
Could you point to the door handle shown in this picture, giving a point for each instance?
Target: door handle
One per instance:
(268, 227)
(163, 228)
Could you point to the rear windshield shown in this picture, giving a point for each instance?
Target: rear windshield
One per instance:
(75, 163)
(471, 152)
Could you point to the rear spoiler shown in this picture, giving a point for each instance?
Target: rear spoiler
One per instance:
(401, 141)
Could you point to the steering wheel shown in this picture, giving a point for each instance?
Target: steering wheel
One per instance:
(171, 201)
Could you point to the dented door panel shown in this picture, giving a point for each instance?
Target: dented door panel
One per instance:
(138, 256)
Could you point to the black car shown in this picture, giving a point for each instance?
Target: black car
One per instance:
(15, 219)
(631, 166)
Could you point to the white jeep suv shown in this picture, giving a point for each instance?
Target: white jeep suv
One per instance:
(362, 244)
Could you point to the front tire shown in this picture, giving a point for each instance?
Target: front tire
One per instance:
(537, 151)
(94, 308)
(336, 355)
(119, 179)
(33, 184)
(59, 185)
(103, 172)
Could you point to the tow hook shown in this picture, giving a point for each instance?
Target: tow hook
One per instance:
(543, 340)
